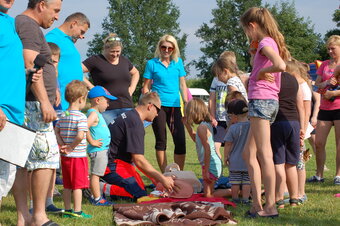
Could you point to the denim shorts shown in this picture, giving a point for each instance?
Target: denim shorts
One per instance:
(264, 109)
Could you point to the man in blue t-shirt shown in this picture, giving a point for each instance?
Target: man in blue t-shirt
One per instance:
(65, 36)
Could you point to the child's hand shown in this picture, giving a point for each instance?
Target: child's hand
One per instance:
(66, 149)
(265, 76)
(332, 81)
(302, 138)
(97, 143)
(226, 161)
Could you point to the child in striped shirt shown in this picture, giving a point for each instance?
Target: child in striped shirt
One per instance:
(71, 136)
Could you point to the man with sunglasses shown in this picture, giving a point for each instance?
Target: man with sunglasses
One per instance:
(127, 151)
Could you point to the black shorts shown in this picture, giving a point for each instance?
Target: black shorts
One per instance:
(285, 141)
(220, 131)
(329, 115)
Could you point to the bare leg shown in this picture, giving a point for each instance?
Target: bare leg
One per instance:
(235, 191)
(292, 180)
(77, 197)
(161, 159)
(52, 184)
(337, 139)
(249, 155)
(246, 191)
(40, 184)
(322, 131)
(20, 190)
(67, 193)
(180, 160)
(208, 189)
(265, 159)
(301, 182)
(280, 181)
(222, 193)
(94, 186)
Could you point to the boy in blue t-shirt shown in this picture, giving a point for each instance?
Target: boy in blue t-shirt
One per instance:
(235, 141)
(98, 138)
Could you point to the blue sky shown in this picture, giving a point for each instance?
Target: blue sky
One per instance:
(193, 14)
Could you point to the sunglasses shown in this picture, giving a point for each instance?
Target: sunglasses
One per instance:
(164, 48)
(112, 39)
(157, 109)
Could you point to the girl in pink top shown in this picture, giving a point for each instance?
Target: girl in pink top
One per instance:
(329, 113)
(264, 86)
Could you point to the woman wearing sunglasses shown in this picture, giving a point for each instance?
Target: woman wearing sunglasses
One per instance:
(165, 75)
(115, 73)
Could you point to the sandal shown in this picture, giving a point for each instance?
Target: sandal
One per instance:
(280, 204)
(294, 202)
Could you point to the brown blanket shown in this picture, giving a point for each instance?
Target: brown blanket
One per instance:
(179, 213)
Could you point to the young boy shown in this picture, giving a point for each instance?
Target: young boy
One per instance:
(234, 144)
(71, 136)
(98, 138)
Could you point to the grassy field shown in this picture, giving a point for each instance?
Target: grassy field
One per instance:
(321, 208)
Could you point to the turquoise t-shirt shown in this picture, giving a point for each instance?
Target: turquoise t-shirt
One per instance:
(12, 74)
(215, 160)
(100, 131)
(166, 80)
(69, 67)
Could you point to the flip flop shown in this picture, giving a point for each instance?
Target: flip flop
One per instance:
(50, 223)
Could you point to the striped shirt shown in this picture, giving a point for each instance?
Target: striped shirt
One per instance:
(69, 126)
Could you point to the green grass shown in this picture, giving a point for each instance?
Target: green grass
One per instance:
(321, 208)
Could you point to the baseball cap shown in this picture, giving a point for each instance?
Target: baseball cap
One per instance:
(237, 107)
(99, 91)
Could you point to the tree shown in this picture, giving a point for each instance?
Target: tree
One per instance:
(299, 33)
(140, 24)
(225, 33)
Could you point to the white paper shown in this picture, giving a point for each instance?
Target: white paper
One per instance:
(15, 143)
(310, 129)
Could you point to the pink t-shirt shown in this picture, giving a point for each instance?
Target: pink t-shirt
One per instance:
(261, 89)
(326, 73)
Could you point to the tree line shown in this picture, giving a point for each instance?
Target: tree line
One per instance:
(140, 24)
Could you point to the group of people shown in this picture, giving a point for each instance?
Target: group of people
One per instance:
(261, 120)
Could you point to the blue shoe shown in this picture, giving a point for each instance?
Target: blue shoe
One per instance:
(100, 202)
(53, 209)
(314, 179)
(58, 181)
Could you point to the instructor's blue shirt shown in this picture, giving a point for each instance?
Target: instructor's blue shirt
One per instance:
(69, 67)
(166, 80)
(12, 73)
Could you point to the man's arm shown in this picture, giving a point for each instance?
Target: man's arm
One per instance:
(38, 89)
(143, 165)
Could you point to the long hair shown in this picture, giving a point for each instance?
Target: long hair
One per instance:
(295, 67)
(268, 25)
(168, 38)
(197, 112)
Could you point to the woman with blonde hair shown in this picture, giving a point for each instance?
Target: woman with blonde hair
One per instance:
(165, 75)
(329, 113)
(115, 73)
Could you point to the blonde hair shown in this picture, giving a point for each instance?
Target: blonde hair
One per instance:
(112, 40)
(168, 38)
(333, 40)
(197, 112)
(295, 67)
(227, 60)
(75, 90)
(268, 25)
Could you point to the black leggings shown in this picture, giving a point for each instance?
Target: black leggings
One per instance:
(173, 117)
